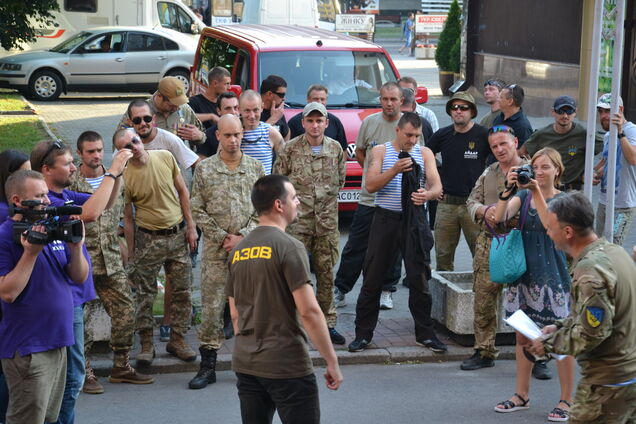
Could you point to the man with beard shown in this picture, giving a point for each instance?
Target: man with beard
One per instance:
(55, 161)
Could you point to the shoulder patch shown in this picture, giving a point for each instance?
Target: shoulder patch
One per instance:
(594, 315)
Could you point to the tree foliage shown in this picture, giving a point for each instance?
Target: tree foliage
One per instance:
(19, 20)
(447, 39)
(453, 57)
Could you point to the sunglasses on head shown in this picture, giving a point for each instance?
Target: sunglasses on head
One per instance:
(137, 119)
(56, 145)
(501, 128)
(566, 110)
(460, 107)
(494, 82)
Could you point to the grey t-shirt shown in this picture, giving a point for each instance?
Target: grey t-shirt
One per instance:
(165, 140)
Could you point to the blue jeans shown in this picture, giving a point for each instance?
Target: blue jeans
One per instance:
(75, 370)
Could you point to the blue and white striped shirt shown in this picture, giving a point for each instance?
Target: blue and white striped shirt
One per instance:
(390, 196)
(256, 144)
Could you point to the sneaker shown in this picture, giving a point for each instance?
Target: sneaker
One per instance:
(358, 345)
(386, 300)
(477, 361)
(339, 298)
(433, 344)
(164, 333)
(336, 338)
(540, 371)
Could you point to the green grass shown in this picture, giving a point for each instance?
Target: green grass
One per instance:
(11, 101)
(21, 132)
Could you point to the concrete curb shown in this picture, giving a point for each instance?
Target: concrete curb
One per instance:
(166, 364)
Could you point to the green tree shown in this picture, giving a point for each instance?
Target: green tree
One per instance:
(453, 57)
(17, 19)
(447, 39)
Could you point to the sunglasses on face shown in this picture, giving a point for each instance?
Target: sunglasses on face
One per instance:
(135, 140)
(460, 107)
(280, 95)
(137, 119)
(566, 110)
(55, 145)
(501, 128)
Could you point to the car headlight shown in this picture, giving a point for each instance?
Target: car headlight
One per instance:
(10, 66)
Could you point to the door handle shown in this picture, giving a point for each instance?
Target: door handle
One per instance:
(119, 59)
(162, 57)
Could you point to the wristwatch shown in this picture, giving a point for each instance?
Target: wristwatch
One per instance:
(621, 135)
(110, 174)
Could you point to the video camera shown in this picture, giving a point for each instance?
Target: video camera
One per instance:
(70, 231)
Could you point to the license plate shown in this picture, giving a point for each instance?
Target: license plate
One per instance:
(348, 196)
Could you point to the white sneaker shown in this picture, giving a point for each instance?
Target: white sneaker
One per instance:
(339, 298)
(386, 300)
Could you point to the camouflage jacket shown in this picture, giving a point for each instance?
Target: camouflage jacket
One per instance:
(170, 123)
(602, 323)
(101, 236)
(317, 179)
(221, 200)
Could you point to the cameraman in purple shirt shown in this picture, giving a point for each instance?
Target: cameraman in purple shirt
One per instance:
(36, 299)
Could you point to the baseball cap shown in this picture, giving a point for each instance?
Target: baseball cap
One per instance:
(563, 101)
(172, 88)
(465, 96)
(605, 101)
(315, 107)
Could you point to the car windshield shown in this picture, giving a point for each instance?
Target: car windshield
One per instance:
(353, 78)
(71, 43)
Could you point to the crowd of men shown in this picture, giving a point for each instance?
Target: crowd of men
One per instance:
(263, 197)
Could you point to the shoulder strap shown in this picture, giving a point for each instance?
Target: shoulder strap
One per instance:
(524, 210)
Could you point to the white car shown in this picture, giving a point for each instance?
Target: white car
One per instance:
(101, 59)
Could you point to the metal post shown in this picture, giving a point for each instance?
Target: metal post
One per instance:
(613, 137)
(591, 98)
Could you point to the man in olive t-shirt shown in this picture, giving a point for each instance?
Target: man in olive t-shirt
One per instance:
(268, 288)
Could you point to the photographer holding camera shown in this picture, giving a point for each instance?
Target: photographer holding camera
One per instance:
(55, 161)
(37, 303)
(543, 291)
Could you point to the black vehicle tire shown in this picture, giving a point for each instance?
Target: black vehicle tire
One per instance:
(183, 76)
(45, 86)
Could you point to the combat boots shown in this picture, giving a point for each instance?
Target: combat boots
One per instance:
(147, 352)
(178, 347)
(123, 372)
(207, 370)
(91, 383)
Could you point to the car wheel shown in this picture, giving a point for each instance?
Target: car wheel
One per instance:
(183, 76)
(45, 86)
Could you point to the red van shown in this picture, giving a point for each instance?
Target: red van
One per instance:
(353, 69)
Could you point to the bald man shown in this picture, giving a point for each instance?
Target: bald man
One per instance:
(228, 175)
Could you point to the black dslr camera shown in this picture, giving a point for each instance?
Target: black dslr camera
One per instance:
(524, 174)
(70, 231)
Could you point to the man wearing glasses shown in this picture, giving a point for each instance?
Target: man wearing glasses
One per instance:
(565, 136)
(170, 106)
(464, 149)
(273, 91)
(510, 101)
(144, 122)
(55, 161)
(492, 88)
(160, 236)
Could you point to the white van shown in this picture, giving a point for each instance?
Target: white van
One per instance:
(281, 12)
(75, 16)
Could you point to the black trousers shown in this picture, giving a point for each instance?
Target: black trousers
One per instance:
(385, 243)
(352, 258)
(295, 399)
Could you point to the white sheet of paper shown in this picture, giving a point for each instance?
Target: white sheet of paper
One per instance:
(523, 324)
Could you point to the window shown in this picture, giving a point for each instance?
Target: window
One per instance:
(170, 45)
(215, 53)
(105, 43)
(138, 42)
(174, 17)
(80, 6)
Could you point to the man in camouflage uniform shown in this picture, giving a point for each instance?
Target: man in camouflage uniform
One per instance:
(221, 207)
(600, 329)
(492, 181)
(109, 277)
(315, 165)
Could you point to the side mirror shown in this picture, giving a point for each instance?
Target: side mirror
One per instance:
(421, 95)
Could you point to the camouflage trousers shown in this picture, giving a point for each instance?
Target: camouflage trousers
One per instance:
(603, 405)
(151, 252)
(487, 302)
(324, 255)
(623, 218)
(450, 221)
(115, 294)
(214, 275)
